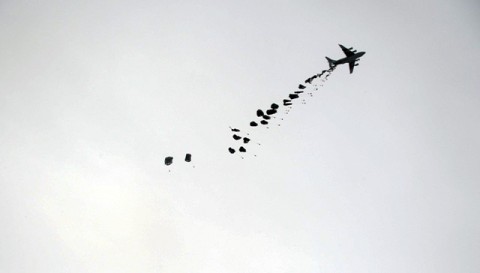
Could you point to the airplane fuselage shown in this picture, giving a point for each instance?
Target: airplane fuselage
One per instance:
(349, 59)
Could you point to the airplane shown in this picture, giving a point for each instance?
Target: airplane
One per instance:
(351, 57)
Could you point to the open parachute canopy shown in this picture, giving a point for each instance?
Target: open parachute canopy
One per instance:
(273, 116)
(271, 112)
(293, 96)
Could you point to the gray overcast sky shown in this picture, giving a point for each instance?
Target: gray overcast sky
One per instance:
(379, 172)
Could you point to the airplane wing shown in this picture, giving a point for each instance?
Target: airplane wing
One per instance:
(347, 51)
(351, 65)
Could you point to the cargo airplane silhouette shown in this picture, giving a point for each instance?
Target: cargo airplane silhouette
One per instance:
(352, 56)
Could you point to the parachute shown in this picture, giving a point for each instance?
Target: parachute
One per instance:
(271, 112)
(168, 160)
(293, 96)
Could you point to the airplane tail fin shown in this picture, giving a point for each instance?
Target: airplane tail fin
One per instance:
(330, 62)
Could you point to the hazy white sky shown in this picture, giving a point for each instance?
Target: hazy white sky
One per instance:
(379, 172)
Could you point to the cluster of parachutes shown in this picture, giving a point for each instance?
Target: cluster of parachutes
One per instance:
(266, 116)
(169, 159)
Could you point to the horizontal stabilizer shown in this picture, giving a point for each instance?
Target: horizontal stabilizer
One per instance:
(331, 62)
